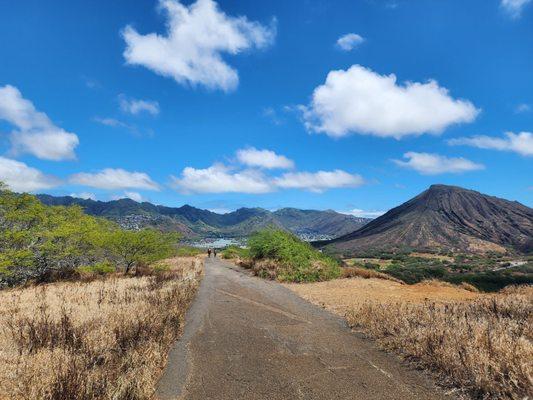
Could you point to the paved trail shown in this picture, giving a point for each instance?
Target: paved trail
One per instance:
(246, 338)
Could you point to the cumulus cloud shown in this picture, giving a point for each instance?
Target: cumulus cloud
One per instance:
(521, 143)
(359, 100)
(522, 108)
(19, 177)
(349, 41)
(35, 133)
(263, 159)
(111, 178)
(434, 164)
(197, 36)
(514, 7)
(137, 106)
(219, 178)
(135, 196)
(318, 181)
(357, 212)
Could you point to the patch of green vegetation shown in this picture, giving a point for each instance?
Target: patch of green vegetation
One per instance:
(188, 251)
(99, 268)
(43, 243)
(233, 251)
(294, 260)
(487, 272)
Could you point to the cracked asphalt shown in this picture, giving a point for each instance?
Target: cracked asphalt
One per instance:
(247, 338)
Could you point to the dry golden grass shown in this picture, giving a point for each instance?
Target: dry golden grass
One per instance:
(484, 346)
(355, 272)
(104, 339)
(340, 295)
(481, 343)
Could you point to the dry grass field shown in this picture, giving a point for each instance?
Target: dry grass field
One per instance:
(480, 343)
(102, 339)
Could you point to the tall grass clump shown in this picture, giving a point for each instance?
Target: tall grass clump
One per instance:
(484, 346)
(277, 254)
(103, 339)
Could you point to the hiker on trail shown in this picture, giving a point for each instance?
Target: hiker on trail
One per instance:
(209, 252)
(214, 253)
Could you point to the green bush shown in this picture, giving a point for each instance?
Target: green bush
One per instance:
(233, 251)
(100, 268)
(295, 261)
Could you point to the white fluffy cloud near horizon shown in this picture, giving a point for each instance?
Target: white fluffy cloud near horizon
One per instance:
(435, 164)
(357, 212)
(135, 196)
(35, 133)
(318, 182)
(361, 101)
(267, 159)
(220, 178)
(349, 41)
(521, 143)
(114, 178)
(20, 177)
(197, 36)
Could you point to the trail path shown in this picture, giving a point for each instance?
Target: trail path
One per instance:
(247, 338)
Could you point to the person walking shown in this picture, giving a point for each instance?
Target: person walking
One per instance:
(214, 252)
(209, 252)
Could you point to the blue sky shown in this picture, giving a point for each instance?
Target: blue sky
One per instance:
(346, 105)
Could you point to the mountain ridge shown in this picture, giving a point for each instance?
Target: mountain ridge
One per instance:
(196, 222)
(445, 217)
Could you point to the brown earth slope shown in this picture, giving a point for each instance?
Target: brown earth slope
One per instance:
(445, 217)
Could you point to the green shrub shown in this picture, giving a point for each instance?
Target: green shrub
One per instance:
(233, 251)
(99, 268)
(295, 261)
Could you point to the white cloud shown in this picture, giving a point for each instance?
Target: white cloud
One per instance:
(112, 122)
(359, 100)
(196, 37)
(35, 134)
(349, 41)
(318, 181)
(514, 7)
(357, 212)
(110, 178)
(434, 164)
(263, 159)
(220, 179)
(135, 196)
(522, 108)
(84, 195)
(137, 106)
(521, 143)
(220, 210)
(19, 177)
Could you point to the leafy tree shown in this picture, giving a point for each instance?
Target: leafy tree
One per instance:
(137, 248)
(39, 242)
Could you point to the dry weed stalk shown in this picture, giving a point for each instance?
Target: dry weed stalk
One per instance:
(484, 346)
(105, 339)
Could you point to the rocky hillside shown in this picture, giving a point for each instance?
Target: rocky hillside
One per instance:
(445, 217)
(195, 222)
